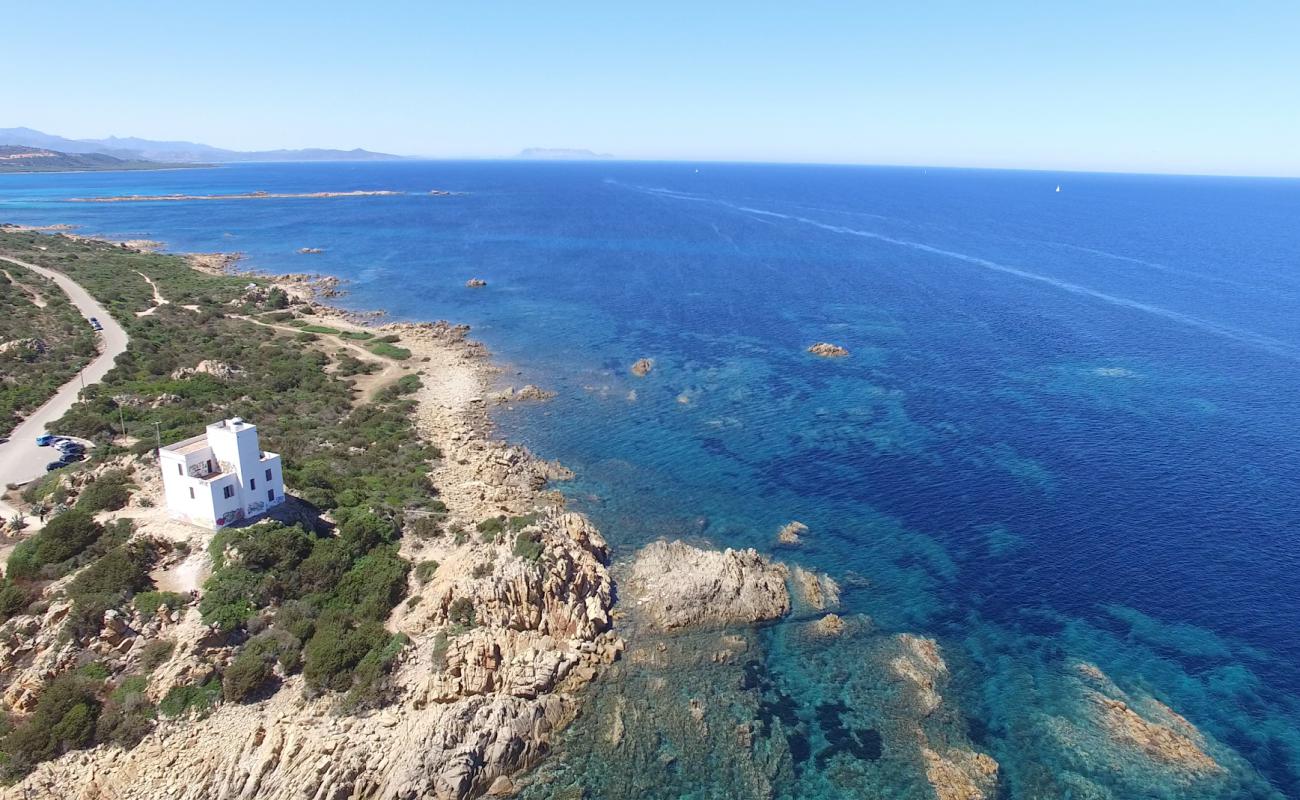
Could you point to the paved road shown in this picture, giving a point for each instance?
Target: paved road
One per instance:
(20, 459)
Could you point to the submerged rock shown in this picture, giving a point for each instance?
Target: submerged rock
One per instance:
(642, 367)
(828, 350)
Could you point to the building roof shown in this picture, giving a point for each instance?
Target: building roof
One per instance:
(188, 446)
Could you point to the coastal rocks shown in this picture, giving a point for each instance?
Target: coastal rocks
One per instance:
(642, 367)
(829, 625)
(679, 586)
(791, 533)
(475, 283)
(818, 592)
(828, 350)
(528, 393)
(308, 251)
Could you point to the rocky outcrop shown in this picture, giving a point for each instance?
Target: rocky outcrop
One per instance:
(30, 346)
(475, 283)
(528, 393)
(308, 251)
(217, 369)
(679, 586)
(828, 350)
(642, 367)
(791, 533)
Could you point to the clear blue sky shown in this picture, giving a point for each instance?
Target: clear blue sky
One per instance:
(1134, 86)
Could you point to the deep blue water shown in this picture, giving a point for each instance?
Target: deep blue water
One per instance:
(1068, 427)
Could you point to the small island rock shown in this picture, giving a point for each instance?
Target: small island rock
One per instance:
(828, 350)
(642, 367)
(791, 533)
(475, 283)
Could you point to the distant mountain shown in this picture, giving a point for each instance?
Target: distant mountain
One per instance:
(132, 148)
(18, 158)
(560, 154)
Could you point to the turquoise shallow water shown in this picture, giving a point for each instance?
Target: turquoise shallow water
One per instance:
(1066, 432)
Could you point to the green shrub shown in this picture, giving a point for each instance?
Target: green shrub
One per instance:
(461, 612)
(528, 546)
(63, 537)
(250, 674)
(148, 603)
(491, 528)
(374, 585)
(14, 599)
(519, 523)
(424, 571)
(336, 648)
(191, 698)
(357, 336)
(155, 653)
(64, 720)
(104, 494)
(320, 329)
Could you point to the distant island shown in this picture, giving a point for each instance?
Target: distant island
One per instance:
(17, 158)
(132, 149)
(560, 154)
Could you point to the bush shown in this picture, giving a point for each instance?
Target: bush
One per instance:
(106, 493)
(155, 653)
(424, 571)
(491, 528)
(320, 329)
(148, 603)
(63, 537)
(64, 720)
(374, 585)
(337, 647)
(357, 336)
(528, 546)
(191, 698)
(461, 612)
(13, 599)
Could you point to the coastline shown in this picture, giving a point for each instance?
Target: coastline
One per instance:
(490, 704)
(473, 711)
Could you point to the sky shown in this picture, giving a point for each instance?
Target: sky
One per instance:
(1147, 86)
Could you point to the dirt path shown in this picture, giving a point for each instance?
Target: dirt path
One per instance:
(368, 385)
(38, 299)
(158, 300)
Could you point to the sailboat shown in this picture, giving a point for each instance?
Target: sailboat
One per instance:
(1058, 189)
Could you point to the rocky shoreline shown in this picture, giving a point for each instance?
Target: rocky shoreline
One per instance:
(661, 655)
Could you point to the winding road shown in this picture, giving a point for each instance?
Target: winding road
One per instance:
(21, 460)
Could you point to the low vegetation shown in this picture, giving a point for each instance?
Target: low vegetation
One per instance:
(41, 347)
(291, 598)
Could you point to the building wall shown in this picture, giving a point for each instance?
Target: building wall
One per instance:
(232, 446)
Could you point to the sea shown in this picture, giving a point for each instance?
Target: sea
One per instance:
(1067, 432)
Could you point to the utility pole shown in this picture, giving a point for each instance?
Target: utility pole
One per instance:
(157, 435)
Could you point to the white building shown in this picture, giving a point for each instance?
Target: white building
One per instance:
(221, 477)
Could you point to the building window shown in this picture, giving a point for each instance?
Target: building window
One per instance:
(268, 474)
(209, 465)
(227, 491)
(252, 483)
(180, 469)
(270, 495)
(191, 492)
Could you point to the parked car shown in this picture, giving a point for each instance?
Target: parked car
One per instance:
(67, 446)
(45, 440)
(53, 465)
